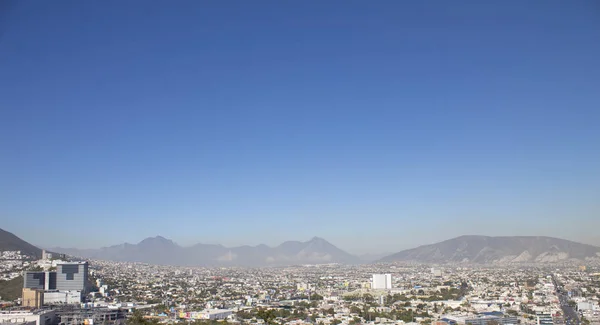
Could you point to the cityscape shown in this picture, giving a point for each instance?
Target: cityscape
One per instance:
(299, 162)
(58, 288)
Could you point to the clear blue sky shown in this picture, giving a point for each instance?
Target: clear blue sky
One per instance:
(376, 125)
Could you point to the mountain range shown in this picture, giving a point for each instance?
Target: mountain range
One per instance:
(485, 249)
(160, 250)
(463, 249)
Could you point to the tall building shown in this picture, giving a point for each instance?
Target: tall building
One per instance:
(381, 281)
(39, 280)
(32, 298)
(34, 280)
(72, 276)
(66, 285)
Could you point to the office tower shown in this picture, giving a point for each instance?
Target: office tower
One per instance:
(382, 281)
(72, 276)
(32, 298)
(39, 280)
(34, 280)
(50, 281)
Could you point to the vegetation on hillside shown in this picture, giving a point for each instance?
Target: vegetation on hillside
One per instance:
(11, 290)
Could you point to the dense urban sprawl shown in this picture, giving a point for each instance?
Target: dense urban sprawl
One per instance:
(323, 294)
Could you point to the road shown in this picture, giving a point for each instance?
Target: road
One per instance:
(570, 314)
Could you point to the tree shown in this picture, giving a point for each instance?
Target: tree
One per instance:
(266, 315)
(137, 318)
(316, 296)
(336, 321)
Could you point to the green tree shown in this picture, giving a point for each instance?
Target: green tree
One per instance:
(267, 315)
(316, 296)
(354, 321)
(137, 318)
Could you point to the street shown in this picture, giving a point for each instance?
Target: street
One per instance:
(570, 314)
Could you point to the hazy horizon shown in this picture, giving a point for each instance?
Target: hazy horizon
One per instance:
(357, 250)
(378, 126)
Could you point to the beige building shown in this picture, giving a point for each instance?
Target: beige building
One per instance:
(32, 298)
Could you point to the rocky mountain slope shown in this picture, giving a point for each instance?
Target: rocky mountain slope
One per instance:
(484, 249)
(10, 242)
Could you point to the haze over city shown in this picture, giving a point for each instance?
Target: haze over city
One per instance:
(397, 123)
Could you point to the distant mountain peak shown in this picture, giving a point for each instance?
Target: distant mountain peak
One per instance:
(157, 240)
(160, 250)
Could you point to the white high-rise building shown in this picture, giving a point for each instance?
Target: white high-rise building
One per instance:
(436, 272)
(381, 281)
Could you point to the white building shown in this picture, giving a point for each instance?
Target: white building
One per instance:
(587, 306)
(62, 297)
(42, 317)
(217, 314)
(381, 281)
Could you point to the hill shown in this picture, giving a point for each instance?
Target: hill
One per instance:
(10, 242)
(508, 249)
(11, 289)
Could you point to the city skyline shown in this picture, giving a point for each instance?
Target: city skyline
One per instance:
(400, 124)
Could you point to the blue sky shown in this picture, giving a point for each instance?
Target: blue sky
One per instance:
(376, 125)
